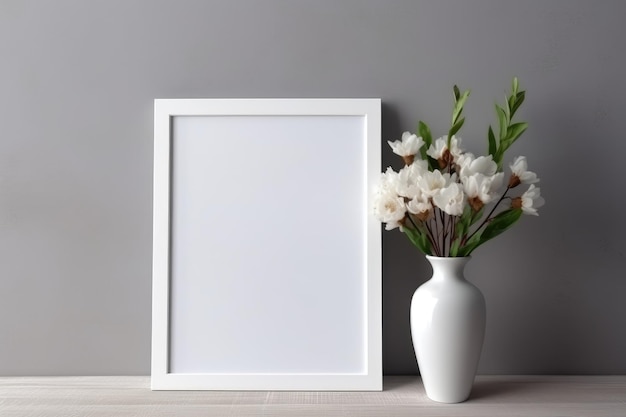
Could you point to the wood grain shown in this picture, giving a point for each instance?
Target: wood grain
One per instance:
(585, 396)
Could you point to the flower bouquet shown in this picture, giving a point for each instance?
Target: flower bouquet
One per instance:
(448, 201)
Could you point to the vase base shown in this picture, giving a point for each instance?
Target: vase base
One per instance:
(448, 400)
(448, 393)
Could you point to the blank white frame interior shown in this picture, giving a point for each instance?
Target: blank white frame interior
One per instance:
(266, 260)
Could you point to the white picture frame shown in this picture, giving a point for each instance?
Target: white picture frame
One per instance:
(266, 259)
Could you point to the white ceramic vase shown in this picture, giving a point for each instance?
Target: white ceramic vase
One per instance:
(448, 327)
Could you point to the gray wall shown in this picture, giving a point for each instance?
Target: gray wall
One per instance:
(77, 80)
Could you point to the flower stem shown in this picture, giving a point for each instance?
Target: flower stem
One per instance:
(443, 232)
(433, 241)
(436, 234)
(488, 215)
(453, 237)
(428, 235)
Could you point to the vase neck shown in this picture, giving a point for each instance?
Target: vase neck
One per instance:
(448, 268)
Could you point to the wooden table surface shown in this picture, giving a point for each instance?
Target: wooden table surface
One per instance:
(126, 396)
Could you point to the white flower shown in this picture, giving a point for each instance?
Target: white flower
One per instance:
(520, 174)
(388, 182)
(483, 187)
(481, 165)
(450, 199)
(432, 181)
(464, 159)
(408, 146)
(437, 149)
(531, 200)
(419, 166)
(407, 178)
(389, 208)
(496, 182)
(420, 206)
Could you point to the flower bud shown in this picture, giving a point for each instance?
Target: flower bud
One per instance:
(475, 203)
(514, 181)
(424, 215)
(446, 158)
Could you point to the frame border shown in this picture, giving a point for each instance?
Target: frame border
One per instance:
(164, 111)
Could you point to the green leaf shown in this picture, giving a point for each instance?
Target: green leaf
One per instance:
(466, 216)
(461, 229)
(424, 132)
(506, 109)
(509, 133)
(496, 226)
(420, 240)
(476, 216)
(515, 131)
(457, 93)
(458, 106)
(454, 248)
(510, 103)
(470, 245)
(455, 129)
(499, 156)
(492, 142)
(519, 99)
(502, 119)
(500, 223)
(462, 224)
